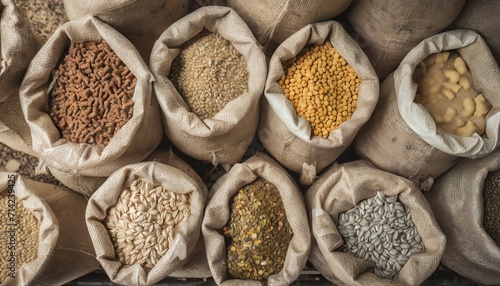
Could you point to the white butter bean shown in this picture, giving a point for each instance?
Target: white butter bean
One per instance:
(469, 106)
(459, 122)
(449, 114)
(467, 130)
(482, 105)
(453, 76)
(465, 82)
(455, 87)
(438, 118)
(429, 60)
(460, 65)
(448, 93)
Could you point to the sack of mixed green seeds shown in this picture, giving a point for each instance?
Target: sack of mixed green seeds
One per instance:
(44, 240)
(371, 227)
(140, 21)
(466, 201)
(210, 74)
(481, 16)
(321, 88)
(255, 226)
(145, 222)
(17, 47)
(274, 21)
(404, 138)
(388, 31)
(88, 100)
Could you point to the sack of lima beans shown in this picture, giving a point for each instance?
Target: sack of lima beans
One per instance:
(209, 75)
(418, 131)
(255, 226)
(140, 21)
(274, 21)
(145, 222)
(17, 47)
(44, 240)
(481, 16)
(466, 201)
(87, 98)
(371, 227)
(387, 31)
(321, 88)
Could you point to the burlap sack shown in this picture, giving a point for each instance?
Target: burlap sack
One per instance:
(402, 138)
(285, 134)
(339, 189)
(457, 200)
(482, 17)
(17, 47)
(388, 30)
(141, 22)
(274, 21)
(65, 251)
(186, 242)
(83, 167)
(217, 215)
(223, 138)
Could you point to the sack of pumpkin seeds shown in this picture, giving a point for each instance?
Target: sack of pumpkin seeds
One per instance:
(371, 227)
(209, 75)
(43, 237)
(17, 47)
(466, 201)
(434, 108)
(320, 89)
(145, 222)
(255, 226)
(274, 21)
(388, 31)
(481, 16)
(88, 100)
(140, 21)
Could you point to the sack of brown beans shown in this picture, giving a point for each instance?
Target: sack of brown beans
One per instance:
(255, 226)
(274, 21)
(210, 74)
(388, 31)
(371, 227)
(466, 201)
(140, 21)
(17, 47)
(321, 88)
(43, 237)
(88, 100)
(439, 105)
(145, 222)
(481, 16)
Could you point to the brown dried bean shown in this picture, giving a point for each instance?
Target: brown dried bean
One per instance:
(89, 93)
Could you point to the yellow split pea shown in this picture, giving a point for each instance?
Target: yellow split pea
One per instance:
(323, 87)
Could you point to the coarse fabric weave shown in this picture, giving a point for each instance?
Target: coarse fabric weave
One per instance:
(273, 21)
(65, 250)
(140, 21)
(287, 136)
(341, 188)
(482, 17)
(402, 137)
(388, 30)
(17, 47)
(188, 233)
(217, 215)
(80, 166)
(224, 138)
(457, 200)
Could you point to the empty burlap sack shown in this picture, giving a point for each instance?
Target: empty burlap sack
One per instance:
(83, 167)
(65, 250)
(482, 17)
(388, 30)
(188, 233)
(342, 187)
(217, 215)
(401, 136)
(457, 200)
(17, 47)
(224, 138)
(140, 21)
(286, 135)
(274, 21)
